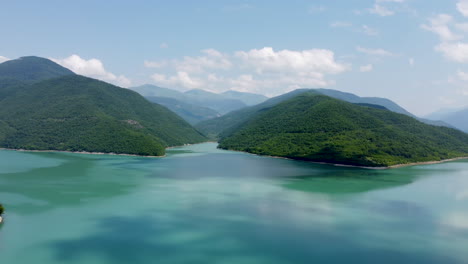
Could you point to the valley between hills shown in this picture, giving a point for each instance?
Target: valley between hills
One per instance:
(46, 107)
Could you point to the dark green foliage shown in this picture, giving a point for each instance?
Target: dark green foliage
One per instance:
(319, 128)
(228, 122)
(31, 69)
(75, 113)
(191, 113)
(2, 209)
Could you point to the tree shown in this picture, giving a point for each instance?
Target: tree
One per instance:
(2, 209)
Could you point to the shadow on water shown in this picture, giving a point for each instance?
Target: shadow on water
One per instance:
(74, 180)
(202, 239)
(342, 180)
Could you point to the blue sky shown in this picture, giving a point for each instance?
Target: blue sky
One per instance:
(414, 52)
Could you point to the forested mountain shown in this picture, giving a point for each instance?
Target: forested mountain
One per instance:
(314, 127)
(191, 113)
(216, 126)
(31, 69)
(76, 113)
(27, 70)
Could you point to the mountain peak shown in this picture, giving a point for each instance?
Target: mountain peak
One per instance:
(32, 69)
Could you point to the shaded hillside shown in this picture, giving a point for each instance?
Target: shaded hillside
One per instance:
(76, 113)
(319, 128)
(191, 113)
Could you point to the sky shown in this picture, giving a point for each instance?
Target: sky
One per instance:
(414, 52)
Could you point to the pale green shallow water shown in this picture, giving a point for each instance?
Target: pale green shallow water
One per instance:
(203, 205)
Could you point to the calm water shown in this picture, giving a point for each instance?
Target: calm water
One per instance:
(203, 205)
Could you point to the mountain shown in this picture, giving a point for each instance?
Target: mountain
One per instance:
(314, 127)
(75, 113)
(390, 105)
(455, 117)
(31, 69)
(214, 127)
(27, 70)
(247, 98)
(191, 113)
(214, 101)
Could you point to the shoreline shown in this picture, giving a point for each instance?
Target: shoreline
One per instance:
(83, 152)
(104, 153)
(356, 166)
(268, 156)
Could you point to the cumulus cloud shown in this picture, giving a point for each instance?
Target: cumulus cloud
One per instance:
(180, 79)
(3, 59)
(93, 68)
(366, 68)
(268, 60)
(457, 51)
(440, 26)
(258, 70)
(462, 7)
(374, 52)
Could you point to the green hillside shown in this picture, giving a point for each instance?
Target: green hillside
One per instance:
(216, 126)
(76, 113)
(31, 69)
(320, 128)
(189, 112)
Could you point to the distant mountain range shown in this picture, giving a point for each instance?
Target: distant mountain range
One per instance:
(44, 106)
(310, 126)
(456, 117)
(192, 105)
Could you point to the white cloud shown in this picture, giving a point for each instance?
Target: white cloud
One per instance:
(369, 31)
(340, 24)
(374, 52)
(164, 45)
(462, 75)
(462, 7)
(93, 68)
(182, 79)
(3, 59)
(462, 27)
(411, 62)
(268, 60)
(366, 68)
(457, 52)
(380, 10)
(440, 26)
(212, 59)
(258, 70)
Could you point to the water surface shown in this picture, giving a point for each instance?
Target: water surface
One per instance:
(204, 205)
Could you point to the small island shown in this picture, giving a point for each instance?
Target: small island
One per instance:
(2, 209)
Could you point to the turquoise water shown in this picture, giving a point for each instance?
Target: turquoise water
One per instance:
(203, 205)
